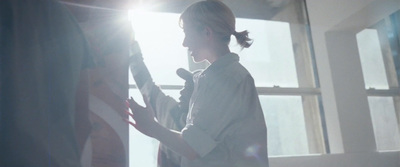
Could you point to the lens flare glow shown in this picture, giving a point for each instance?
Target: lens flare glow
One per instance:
(252, 151)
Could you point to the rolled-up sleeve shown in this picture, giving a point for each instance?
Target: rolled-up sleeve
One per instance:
(199, 140)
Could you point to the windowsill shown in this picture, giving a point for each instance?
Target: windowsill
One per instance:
(295, 156)
(332, 154)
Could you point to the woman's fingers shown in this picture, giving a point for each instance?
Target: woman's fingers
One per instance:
(130, 122)
(149, 108)
(132, 102)
(130, 114)
(134, 106)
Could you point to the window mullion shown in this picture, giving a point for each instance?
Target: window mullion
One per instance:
(383, 92)
(396, 102)
(171, 87)
(312, 118)
(288, 91)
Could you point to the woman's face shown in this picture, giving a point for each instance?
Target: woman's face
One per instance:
(196, 40)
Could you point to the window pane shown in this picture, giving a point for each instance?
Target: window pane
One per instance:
(136, 93)
(143, 150)
(161, 47)
(131, 80)
(385, 123)
(286, 126)
(270, 59)
(394, 37)
(372, 63)
(173, 93)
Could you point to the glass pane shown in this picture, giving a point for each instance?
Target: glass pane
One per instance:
(286, 125)
(270, 59)
(161, 47)
(395, 41)
(372, 63)
(143, 150)
(173, 93)
(131, 80)
(385, 123)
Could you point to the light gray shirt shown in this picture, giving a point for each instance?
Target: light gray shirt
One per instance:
(225, 124)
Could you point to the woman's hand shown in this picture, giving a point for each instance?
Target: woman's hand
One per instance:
(144, 120)
(146, 123)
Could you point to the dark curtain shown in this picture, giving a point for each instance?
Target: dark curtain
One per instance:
(43, 52)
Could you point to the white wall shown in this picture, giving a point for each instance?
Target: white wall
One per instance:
(334, 24)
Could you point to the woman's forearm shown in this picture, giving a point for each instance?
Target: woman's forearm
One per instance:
(174, 140)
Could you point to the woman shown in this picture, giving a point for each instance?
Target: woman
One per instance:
(225, 126)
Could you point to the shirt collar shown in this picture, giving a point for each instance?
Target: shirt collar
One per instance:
(222, 62)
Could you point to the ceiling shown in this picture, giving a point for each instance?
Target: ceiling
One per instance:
(255, 9)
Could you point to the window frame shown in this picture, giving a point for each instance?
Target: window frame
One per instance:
(389, 45)
(307, 76)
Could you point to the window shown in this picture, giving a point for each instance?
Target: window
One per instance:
(280, 60)
(379, 54)
(162, 62)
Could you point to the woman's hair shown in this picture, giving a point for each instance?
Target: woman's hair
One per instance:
(217, 16)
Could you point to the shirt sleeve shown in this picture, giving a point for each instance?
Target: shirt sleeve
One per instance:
(166, 109)
(217, 114)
